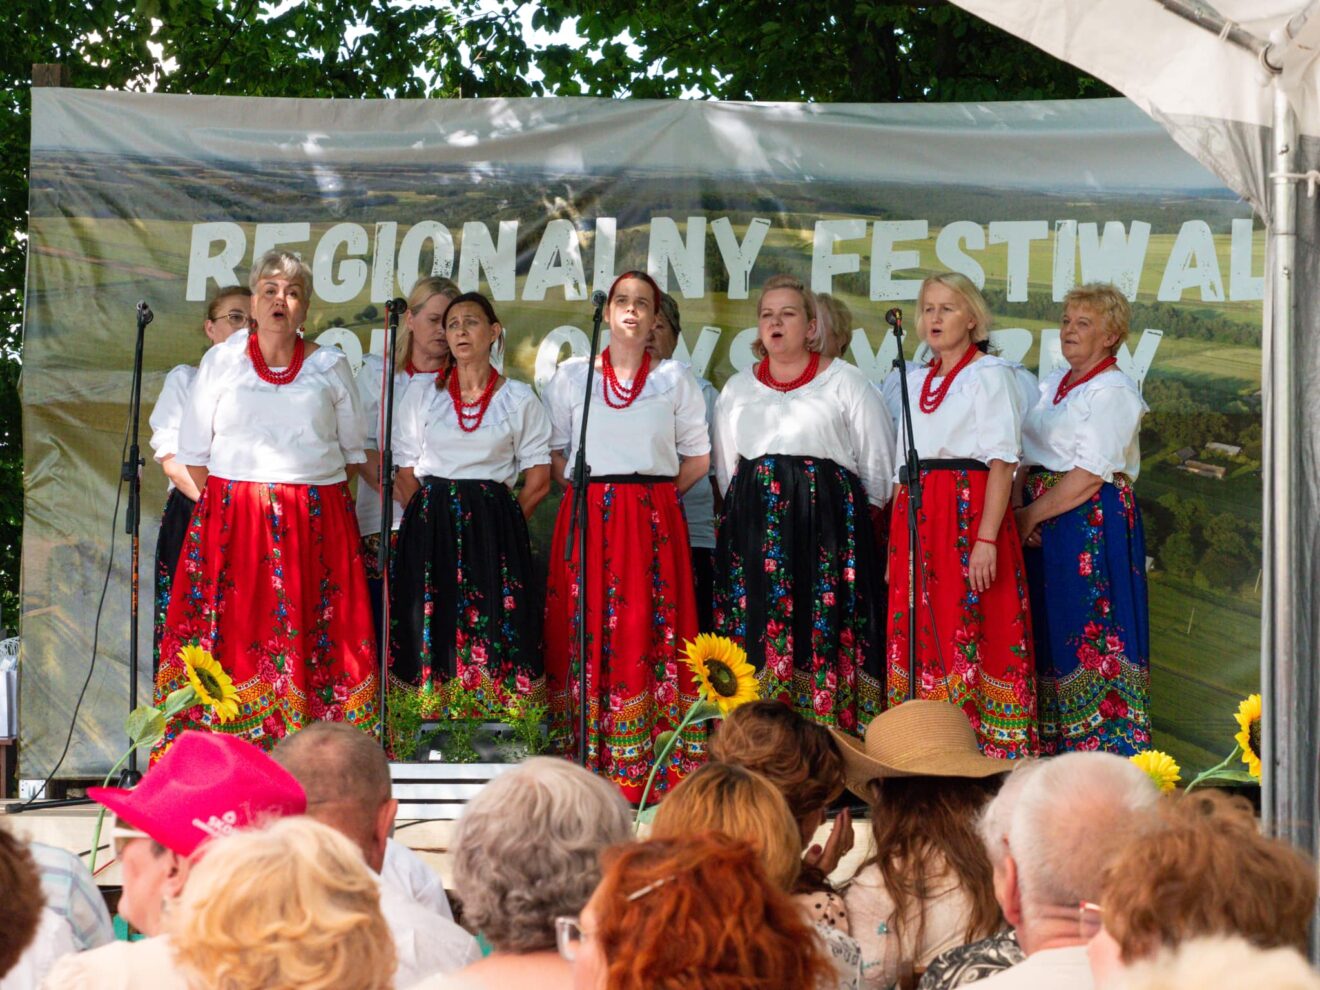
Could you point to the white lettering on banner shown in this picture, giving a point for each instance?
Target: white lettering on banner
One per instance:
(558, 262)
(668, 249)
(270, 236)
(1065, 258)
(885, 260)
(1134, 365)
(479, 254)
(345, 285)
(949, 249)
(1241, 283)
(410, 253)
(825, 264)
(1115, 256)
(739, 258)
(547, 355)
(699, 358)
(602, 266)
(1018, 235)
(382, 272)
(220, 268)
(1193, 264)
(348, 342)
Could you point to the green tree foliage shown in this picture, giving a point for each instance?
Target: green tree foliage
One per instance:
(724, 49)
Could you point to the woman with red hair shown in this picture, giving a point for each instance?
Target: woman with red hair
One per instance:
(647, 444)
(692, 913)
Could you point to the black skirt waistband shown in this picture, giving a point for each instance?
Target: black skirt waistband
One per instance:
(435, 479)
(630, 479)
(954, 464)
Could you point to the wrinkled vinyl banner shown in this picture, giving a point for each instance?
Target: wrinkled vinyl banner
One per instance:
(539, 202)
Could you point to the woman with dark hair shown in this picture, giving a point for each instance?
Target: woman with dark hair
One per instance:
(971, 613)
(805, 454)
(647, 444)
(691, 913)
(467, 629)
(929, 886)
(271, 580)
(420, 354)
(225, 313)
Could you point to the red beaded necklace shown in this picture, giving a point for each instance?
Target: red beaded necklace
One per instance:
(262, 369)
(610, 381)
(765, 378)
(1066, 386)
(461, 408)
(931, 394)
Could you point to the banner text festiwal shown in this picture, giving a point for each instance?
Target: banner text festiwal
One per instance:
(539, 202)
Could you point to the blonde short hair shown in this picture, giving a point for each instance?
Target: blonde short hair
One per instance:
(741, 804)
(1107, 303)
(421, 294)
(965, 287)
(835, 320)
(282, 264)
(1221, 964)
(291, 905)
(808, 304)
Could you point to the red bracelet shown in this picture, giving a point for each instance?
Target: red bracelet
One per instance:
(982, 539)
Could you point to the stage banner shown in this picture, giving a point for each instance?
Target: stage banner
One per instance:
(538, 202)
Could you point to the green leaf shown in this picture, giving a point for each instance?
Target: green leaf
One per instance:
(145, 725)
(184, 697)
(664, 743)
(704, 711)
(647, 815)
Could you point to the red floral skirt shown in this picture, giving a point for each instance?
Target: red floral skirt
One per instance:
(271, 581)
(640, 609)
(974, 650)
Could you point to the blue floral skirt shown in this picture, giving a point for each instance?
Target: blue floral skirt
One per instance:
(1088, 599)
(465, 617)
(798, 584)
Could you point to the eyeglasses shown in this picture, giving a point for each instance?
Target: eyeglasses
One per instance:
(569, 935)
(236, 318)
(1090, 918)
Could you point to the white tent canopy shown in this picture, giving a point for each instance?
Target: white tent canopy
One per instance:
(1237, 85)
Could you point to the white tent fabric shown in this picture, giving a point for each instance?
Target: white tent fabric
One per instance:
(1236, 85)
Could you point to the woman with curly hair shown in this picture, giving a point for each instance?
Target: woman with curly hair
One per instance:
(691, 913)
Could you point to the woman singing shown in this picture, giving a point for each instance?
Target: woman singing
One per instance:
(803, 450)
(646, 444)
(465, 617)
(1086, 556)
(225, 313)
(972, 623)
(419, 355)
(271, 579)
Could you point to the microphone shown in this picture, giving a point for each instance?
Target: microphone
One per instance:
(145, 315)
(396, 306)
(895, 318)
(598, 298)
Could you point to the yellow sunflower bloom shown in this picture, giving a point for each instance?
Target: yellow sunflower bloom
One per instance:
(1160, 767)
(214, 687)
(1248, 720)
(724, 677)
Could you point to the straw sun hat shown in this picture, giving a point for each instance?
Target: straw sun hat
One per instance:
(915, 739)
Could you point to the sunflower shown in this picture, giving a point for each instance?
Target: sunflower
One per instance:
(1160, 767)
(1248, 720)
(724, 677)
(213, 686)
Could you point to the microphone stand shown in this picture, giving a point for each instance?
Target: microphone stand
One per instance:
(131, 471)
(577, 525)
(910, 475)
(385, 444)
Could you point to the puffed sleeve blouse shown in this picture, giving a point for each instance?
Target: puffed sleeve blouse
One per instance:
(838, 416)
(242, 428)
(980, 418)
(1095, 427)
(665, 423)
(167, 414)
(514, 435)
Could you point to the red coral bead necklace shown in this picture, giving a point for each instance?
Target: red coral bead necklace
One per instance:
(1066, 386)
(470, 414)
(931, 394)
(625, 396)
(764, 376)
(262, 369)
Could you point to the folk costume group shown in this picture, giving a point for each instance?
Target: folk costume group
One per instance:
(772, 512)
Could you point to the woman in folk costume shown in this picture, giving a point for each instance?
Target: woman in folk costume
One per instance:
(467, 629)
(271, 579)
(973, 627)
(1086, 549)
(804, 452)
(647, 444)
(226, 313)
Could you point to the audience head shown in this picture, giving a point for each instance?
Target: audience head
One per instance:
(994, 823)
(528, 850)
(692, 913)
(227, 312)
(289, 907)
(1222, 964)
(922, 773)
(1073, 814)
(346, 776)
(206, 785)
(835, 324)
(20, 908)
(741, 804)
(799, 757)
(1203, 868)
